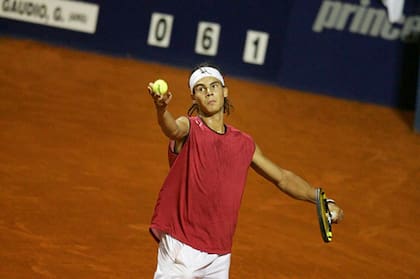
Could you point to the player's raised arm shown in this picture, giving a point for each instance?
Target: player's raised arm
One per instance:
(175, 129)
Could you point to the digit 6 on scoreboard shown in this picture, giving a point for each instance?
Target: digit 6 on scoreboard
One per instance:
(207, 40)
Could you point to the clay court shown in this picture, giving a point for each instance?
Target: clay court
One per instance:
(83, 159)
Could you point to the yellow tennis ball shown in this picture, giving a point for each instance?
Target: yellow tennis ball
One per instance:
(160, 87)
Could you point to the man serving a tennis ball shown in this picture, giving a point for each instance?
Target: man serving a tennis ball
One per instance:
(197, 208)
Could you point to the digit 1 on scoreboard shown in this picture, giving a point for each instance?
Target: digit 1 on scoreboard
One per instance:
(256, 44)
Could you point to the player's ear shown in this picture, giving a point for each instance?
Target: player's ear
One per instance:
(194, 101)
(225, 91)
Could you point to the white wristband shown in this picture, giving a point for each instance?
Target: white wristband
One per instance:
(330, 201)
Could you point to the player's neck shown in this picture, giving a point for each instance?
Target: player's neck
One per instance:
(215, 122)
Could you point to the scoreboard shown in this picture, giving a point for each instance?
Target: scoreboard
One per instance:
(347, 49)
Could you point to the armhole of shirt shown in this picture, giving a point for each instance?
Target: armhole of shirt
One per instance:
(172, 142)
(254, 148)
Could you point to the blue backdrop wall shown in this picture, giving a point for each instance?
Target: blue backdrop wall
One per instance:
(346, 49)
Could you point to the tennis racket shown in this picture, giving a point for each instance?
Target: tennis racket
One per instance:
(324, 215)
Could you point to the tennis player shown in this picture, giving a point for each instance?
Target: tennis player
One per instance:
(197, 208)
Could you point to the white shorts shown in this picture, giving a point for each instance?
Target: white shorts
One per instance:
(178, 260)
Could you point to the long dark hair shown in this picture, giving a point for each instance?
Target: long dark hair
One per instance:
(227, 106)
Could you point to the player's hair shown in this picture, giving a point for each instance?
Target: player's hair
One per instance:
(227, 106)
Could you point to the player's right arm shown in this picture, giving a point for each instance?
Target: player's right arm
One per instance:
(175, 129)
(288, 182)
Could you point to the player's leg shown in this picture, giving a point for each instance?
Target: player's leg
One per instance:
(167, 266)
(219, 268)
(204, 265)
(178, 260)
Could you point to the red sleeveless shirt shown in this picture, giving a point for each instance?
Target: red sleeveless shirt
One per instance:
(199, 201)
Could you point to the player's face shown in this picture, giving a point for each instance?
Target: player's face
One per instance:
(209, 94)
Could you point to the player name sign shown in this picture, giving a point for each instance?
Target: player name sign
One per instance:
(76, 16)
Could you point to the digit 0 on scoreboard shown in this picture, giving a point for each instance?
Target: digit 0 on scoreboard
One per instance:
(256, 44)
(160, 30)
(207, 40)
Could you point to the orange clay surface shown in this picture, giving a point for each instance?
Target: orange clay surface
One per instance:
(82, 160)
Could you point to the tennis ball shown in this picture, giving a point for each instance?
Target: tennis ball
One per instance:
(160, 87)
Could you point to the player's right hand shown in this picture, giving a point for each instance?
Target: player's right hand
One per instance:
(161, 100)
(336, 212)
